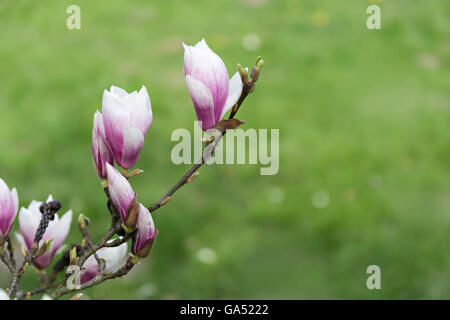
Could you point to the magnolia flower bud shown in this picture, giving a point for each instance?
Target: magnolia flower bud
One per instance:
(9, 204)
(211, 91)
(100, 149)
(122, 196)
(126, 117)
(58, 229)
(114, 257)
(146, 233)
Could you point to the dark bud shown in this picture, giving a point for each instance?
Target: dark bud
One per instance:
(228, 124)
(50, 208)
(243, 73)
(255, 74)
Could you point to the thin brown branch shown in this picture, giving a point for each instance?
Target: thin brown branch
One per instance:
(115, 227)
(7, 261)
(42, 289)
(17, 274)
(85, 233)
(97, 280)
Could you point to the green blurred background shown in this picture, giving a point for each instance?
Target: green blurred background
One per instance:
(364, 141)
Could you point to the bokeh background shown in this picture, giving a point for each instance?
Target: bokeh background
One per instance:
(364, 141)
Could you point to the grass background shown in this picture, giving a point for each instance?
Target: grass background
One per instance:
(364, 141)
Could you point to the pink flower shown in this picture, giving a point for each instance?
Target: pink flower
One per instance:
(145, 234)
(100, 148)
(127, 117)
(58, 229)
(211, 91)
(114, 257)
(122, 196)
(9, 204)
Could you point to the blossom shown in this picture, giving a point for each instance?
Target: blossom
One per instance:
(9, 204)
(145, 234)
(100, 149)
(127, 117)
(114, 257)
(122, 196)
(58, 229)
(208, 83)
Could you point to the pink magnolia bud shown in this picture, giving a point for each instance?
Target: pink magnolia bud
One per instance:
(126, 117)
(122, 196)
(211, 91)
(58, 229)
(145, 234)
(100, 149)
(114, 257)
(9, 204)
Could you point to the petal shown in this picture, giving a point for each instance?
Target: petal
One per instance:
(7, 208)
(116, 116)
(119, 92)
(133, 140)
(101, 152)
(3, 188)
(15, 197)
(203, 102)
(187, 59)
(120, 191)
(90, 269)
(34, 205)
(99, 126)
(146, 228)
(4, 295)
(28, 224)
(202, 44)
(114, 257)
(141, 115)
(234, 93)
(13, 212)
(60, 230)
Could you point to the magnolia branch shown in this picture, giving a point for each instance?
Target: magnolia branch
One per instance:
(78, 254)
(248, 87)
(97, 280)
(222, 126)
(7, 255)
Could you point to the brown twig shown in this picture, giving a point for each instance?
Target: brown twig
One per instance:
(97, 280)
(6, 254)
(17, 274)
(85, 233)
(42, 289)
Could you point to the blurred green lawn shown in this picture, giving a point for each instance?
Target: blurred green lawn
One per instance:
(364, 141)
